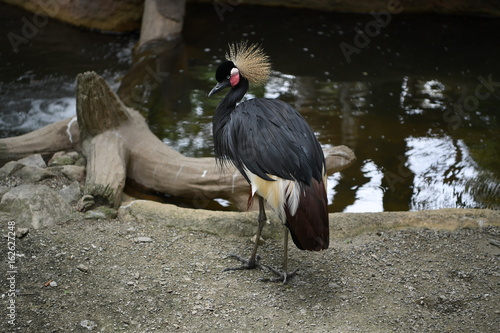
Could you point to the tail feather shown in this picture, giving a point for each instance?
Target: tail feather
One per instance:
(309, 225)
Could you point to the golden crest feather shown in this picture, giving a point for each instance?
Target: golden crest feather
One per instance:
(251, 61)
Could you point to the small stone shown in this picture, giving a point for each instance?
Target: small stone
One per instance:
(88, 324)
(254, 238)
(35, 160)
(21, 232)
(73, 172)
(143, 239)
(73, 154)
(94, 215)
(101, 212)
(81, 161)
(61, 158)
(109, 212)
(82, 268)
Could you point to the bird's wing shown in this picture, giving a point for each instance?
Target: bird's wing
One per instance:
(269, 137)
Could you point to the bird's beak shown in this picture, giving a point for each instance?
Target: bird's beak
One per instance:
(219, 86)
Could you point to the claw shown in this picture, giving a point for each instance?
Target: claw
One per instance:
(282, 276)
(247, 264)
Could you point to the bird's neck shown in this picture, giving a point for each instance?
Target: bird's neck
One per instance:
(222, 116)
(234, 95)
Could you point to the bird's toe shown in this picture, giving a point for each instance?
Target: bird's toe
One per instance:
(246, 263)
(282, 276)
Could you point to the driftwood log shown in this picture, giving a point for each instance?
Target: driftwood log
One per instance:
(118, 145)
(162, 20)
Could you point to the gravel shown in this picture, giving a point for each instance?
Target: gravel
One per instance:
(407, 280)
(151, 267)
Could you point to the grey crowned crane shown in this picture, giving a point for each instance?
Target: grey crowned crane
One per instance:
(275, 150)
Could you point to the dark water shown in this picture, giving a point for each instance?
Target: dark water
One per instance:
(417, 100)
(38, 73)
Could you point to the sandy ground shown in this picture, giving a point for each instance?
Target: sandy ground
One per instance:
(154, 271)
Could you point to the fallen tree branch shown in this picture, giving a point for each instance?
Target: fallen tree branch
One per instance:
(118, 145)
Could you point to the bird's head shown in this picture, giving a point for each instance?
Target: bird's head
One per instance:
(244, 62)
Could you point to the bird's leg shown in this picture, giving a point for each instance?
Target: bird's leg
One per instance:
(253, 261)
(282, 276)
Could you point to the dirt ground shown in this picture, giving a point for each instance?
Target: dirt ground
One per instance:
(146, 274)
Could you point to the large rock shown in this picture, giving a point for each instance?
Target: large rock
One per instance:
(34, 206)
(72, 193)
(239, 224)
(10, 168)
(460, 7)
(34, 160)
(73, 172)
(342, 225)
(33, 174)
(110, 15)
(126, 15)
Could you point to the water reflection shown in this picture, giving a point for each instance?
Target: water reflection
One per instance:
(442, 167)
(369, 195)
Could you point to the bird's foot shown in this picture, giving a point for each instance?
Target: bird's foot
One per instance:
(247, 263)
(282, 276)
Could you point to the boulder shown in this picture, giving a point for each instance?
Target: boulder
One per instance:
(62, 158)
(71, 193)
(73, 172)
(107, 15)
(34, 160)
(35, 206)
(3, 190)
(10, 168)
(33, 174)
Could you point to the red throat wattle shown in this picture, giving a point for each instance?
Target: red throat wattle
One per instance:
(235, 77)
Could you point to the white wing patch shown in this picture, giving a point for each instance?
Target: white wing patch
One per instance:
(278, 193)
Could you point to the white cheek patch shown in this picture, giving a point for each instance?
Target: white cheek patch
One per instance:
(234, 77)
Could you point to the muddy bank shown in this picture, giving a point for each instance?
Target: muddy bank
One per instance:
(161, 270)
